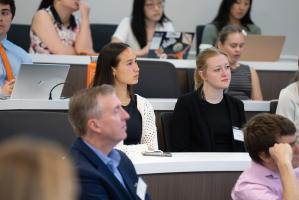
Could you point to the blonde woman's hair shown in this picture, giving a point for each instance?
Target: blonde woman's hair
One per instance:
(35, 170)
(201, 63)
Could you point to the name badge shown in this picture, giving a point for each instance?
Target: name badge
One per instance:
(141, 188)
(238, 134)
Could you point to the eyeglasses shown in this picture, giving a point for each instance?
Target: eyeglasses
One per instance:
(5, 12)
(152, 5)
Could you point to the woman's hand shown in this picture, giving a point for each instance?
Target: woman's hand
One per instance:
(84, 10)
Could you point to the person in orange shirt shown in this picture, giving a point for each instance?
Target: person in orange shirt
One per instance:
(12, 56)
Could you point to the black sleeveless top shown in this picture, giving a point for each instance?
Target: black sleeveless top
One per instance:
(134, 124)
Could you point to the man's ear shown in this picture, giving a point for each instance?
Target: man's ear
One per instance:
(94, 125)
(266, 158)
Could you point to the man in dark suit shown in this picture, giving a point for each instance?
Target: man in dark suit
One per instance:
(99, 120)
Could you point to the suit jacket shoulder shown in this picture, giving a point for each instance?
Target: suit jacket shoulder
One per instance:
(97, 181)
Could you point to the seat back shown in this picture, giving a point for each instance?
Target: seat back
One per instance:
(47, 125)
(157, 79)
(198, 31)
(101, 35)
(190, 79)
(19, 34)
(273, 106)
(166, 120)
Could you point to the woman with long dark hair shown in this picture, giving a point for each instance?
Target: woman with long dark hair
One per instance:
(55, 30)
(147, 17)
(236, 12)
(117, 66)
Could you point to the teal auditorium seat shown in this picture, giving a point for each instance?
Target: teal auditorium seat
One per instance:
(101, 34)
(19, 34)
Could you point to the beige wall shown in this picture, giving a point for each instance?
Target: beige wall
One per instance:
(275, 17)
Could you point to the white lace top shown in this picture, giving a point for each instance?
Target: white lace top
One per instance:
(149, 140)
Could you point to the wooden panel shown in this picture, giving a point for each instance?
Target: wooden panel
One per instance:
(191, 186)
(273, 81)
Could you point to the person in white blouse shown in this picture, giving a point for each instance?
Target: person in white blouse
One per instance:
(117, 66)
(288, 102)
(147, 17)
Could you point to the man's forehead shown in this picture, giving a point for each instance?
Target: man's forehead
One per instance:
(287, 138)
(108, 101)
(4, 6)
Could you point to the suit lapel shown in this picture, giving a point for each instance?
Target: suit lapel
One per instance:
(101, 168)
(131, 186)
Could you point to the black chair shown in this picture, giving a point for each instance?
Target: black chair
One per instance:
(157, 79)
(101, 34)
(199, 31)
(190, 79)
(47, 125)
(273, 106)
(166, 120)
(19, 34)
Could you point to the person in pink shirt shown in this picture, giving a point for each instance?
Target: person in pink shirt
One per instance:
(274, 171)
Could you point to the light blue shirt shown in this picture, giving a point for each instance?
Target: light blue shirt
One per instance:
(16, 56)
(111, 160)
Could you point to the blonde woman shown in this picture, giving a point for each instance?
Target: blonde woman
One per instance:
(208, 119)
(35, 170)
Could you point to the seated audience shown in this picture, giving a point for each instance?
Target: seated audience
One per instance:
(99, 120)
(245, 82)
(55, 30)
(288, 102)
(138, 30)
(208, 119)
(235, 12)
(273, 147)
(12, 56)
(116, 65)
(35, 170)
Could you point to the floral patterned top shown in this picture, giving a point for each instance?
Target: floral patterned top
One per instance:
(67, 33)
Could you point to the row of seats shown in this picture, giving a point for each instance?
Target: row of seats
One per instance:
(157, 79)
(100, 33)
(54, 125)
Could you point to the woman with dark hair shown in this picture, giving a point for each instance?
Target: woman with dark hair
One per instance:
(235, 12)
(288, 102)
(245, 83)
(208, 120)
(55, 30)
(138, 30)
(117, 66)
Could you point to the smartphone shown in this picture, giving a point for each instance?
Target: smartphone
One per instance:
(157, 153)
